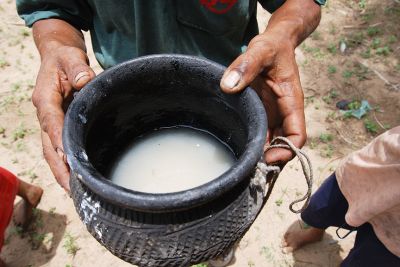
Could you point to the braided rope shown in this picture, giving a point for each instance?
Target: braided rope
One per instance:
(264, 169)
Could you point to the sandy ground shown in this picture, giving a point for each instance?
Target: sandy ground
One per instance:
(328, 75)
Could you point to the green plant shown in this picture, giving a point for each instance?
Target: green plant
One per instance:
(313, 143)
(376, 42)
(37, 218)
(355, 104)
(383, 51)
(333, 93)
(32, 175)
(18, 230)
(20, 146)
(3, 63)
(366, 53)
(331, 69)
(15, 87)
(325, 137)
(347, 74)
(70, 244)
(360, 71)
(315, 51)
(20, 132)
(309, 99)
(2, 130)
(268, 253)
(25, 32)
(373, 31)
(331, 116)
(52, 211)
(279, 202)
(392, 39)
(332, 48)
(327, 151)
(37, 239)
(371, 126)
(362, 4)
(200, 265)
(367, 16)
(355, 39)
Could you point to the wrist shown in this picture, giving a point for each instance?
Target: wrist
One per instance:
(287, 32)
(52, 34)
(53, 49)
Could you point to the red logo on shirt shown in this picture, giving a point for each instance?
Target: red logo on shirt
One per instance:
(218, 6)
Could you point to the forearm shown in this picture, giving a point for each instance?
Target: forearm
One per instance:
(50, 34)
(295, 20)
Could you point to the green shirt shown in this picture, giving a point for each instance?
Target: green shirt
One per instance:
(124, 29)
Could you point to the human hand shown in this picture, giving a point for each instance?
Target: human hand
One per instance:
(63, 71)
(269, 66)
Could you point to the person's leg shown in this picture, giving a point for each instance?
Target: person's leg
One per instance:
(368, 251)
(8, 190)
(327, 208)
(31, 195)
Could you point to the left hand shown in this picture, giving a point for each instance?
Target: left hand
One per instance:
(270, 67)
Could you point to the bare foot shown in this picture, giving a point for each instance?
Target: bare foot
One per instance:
(31, 196)
(300, 234)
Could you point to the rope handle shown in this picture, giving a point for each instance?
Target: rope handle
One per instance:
(264, 169)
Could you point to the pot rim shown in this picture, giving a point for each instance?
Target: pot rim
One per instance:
(164, 202)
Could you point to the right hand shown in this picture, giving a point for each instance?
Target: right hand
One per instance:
(63, 71)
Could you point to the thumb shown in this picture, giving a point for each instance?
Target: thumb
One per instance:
(245, 69)
(76, 66)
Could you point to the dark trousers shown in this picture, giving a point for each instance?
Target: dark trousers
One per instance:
(327, 208)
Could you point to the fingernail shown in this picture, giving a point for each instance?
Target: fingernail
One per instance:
(81, 75)
(231, 79)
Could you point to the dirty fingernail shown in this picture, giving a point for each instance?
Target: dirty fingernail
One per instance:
(81, 75)
(231, 79)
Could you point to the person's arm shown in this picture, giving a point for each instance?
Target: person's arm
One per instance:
(269, 65)
(64, 69)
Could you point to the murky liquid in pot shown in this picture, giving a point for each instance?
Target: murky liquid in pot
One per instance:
(171, 160)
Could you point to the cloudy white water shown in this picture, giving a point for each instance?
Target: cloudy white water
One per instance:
(171, 160)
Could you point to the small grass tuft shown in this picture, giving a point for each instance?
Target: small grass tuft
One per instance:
(373, 31)
(383, 51)
(347, 74)
(20, 132)
(371, 126)
(325, 137)
(327, 151)
(70, 244)
(331, 69)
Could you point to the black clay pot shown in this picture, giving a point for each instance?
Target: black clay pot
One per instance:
(135, 97)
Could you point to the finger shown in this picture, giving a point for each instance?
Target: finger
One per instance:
(291, 108)
(58, 167)
(77, 67)
(246, 67)
(47, 98)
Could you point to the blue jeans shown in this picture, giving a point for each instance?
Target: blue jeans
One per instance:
(327, 208)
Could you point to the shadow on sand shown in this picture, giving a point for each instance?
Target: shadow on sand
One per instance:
(36, 245)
